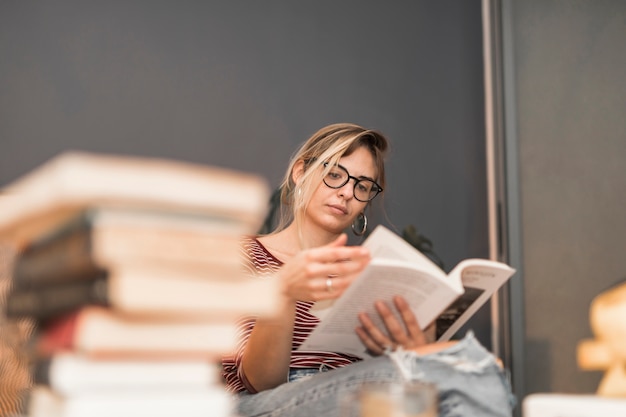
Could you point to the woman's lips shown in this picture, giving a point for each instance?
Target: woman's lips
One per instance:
(338, 208)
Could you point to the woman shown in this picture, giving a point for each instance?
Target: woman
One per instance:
(328, 185)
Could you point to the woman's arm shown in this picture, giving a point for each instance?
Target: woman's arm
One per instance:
(267, 356)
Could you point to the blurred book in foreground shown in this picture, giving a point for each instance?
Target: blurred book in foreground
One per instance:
(128, 262)
(100, 332)
(72, 181)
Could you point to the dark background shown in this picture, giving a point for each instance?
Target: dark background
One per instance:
(242, 83)
(566, 127)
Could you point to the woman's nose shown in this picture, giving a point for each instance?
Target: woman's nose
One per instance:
(347, 191)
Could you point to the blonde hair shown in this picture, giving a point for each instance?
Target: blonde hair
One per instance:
(329, 144)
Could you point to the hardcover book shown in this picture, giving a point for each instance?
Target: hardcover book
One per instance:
(103, 333)
(211, 401)
(72, 181)
(99, 238)
(150, 292)
(69, 373)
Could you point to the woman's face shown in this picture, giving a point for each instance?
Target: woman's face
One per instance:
(334, 209)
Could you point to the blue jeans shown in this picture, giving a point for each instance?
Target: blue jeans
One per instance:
(296, 374)
(468, 378)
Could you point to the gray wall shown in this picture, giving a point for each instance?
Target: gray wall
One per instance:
(241, 83)
(569, 91)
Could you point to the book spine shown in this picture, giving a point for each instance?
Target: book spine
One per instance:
(54, 300)
(54, 335)
(67, 258)
(41, 371)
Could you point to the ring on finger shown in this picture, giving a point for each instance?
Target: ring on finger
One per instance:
(329, 284)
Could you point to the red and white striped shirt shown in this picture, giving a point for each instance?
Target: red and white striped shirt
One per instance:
(263, 264)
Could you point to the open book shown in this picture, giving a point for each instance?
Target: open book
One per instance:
(397, 268)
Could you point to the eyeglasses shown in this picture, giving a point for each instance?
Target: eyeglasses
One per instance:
(364, 189)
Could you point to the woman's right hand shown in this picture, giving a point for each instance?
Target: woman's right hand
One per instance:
(303, 278)
(323, 272)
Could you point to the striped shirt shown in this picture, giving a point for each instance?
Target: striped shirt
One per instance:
(15, 378)
(263, 264)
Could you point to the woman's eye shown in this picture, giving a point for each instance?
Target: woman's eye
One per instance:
(334, 175)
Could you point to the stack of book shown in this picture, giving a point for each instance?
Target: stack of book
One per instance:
(131, 268)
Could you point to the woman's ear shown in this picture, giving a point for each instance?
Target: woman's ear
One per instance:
(297, 171)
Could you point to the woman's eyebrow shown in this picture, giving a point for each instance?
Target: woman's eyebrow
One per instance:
(361, 177)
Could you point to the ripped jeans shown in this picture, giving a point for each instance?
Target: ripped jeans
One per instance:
(468, 378)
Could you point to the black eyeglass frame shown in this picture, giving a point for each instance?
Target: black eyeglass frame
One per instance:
(376, 188)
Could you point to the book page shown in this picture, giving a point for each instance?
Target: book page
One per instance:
(383, 243)
(382, 279)
(480, 278)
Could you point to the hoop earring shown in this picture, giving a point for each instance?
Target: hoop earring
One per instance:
(361, 220)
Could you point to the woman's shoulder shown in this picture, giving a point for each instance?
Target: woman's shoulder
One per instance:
(261, 259)
(249, 240)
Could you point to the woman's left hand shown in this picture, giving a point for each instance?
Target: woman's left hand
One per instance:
(406, 332)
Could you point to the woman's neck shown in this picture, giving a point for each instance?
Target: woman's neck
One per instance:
(311, 236)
